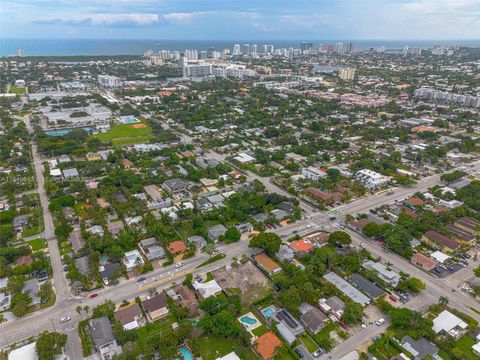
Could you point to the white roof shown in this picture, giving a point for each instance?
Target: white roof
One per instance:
(244, 158)
(446, 321)
(207, 289)
(55, 172)
(476, 347)
(26, 352)
(132, 259)
(231, 356)
(439, 256)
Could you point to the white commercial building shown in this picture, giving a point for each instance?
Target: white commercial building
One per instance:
(371, 179)
(109, 81)
(26, 352)
(313, 173)
(207, 289)
(389, 276)
(197, 70)
(244, 158)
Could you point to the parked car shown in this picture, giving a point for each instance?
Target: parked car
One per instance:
(93, 296)
(140, 279)
(380, 322)
(65, 319)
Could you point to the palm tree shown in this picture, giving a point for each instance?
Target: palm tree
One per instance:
(2, 318)
(443, 300)
(78, 309)
(86, 308)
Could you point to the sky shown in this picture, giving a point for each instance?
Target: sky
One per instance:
(241, 19)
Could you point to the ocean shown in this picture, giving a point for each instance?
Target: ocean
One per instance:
(69, 47)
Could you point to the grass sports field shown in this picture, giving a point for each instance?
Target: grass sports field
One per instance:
(126, 134)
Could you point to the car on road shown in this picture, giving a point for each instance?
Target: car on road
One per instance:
(179, 265)
(294, 231)
(380, 322)
(140, 279)
(93, 296)
(65, 319)
(376, 337)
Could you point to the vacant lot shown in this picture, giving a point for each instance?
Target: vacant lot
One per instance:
(249, 281)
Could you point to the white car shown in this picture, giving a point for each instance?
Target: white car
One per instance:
(179, 265)
(380, 322)
(65, 319)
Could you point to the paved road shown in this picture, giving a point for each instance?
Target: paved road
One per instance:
(60, 282)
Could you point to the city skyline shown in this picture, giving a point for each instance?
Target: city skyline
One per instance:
(227, 20)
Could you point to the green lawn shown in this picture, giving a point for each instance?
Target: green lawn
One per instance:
(323, 339)
(159, 325)
(212, 260)
(260, 331)
(16, 90)
(212, 347)
(126, 134)
(309, 344)
(38, 244)
(385, 348)
(464, 344)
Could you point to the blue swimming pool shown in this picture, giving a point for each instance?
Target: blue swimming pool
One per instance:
(62, 132)
(130, 120)
(248, 320)
(268, 311)
(186, 353)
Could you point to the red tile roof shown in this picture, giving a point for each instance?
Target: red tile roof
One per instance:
(266, 345)
(301, 245)
(176, 247)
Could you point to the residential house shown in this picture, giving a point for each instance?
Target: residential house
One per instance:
(155, 307)
(108, 272)
(133, 259)
(102, 336)
(70, 173)
(130, 316)
(115, 227)
(151, 249)
(199, 241)
(366, 286)
(347, 289)
(32, 288)
(214, 232)
(333, 305)
(186, 299)
(460, 234)
(384, 273)
(423, 261)
(83, 265)
(285, 253)
(444, 242)
(175, 187)
(301, 246)
(75, 238)
(420, 348)
(312, 318)
(468, 224)
(25, 352)
(207, 289)
(266, 345)
(287, 319)
(176, 247)
(448, 324)
(266, 262)
(244, 227)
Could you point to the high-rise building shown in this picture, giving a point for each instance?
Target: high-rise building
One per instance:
(191, 54)
(328, 48)
(305, 46)
(350, 48)
(253, 49)
(339, 47)
(197, 70)
(203, 55)
(20, 53)
(246, 49)
(236, 49)
(346, 73)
